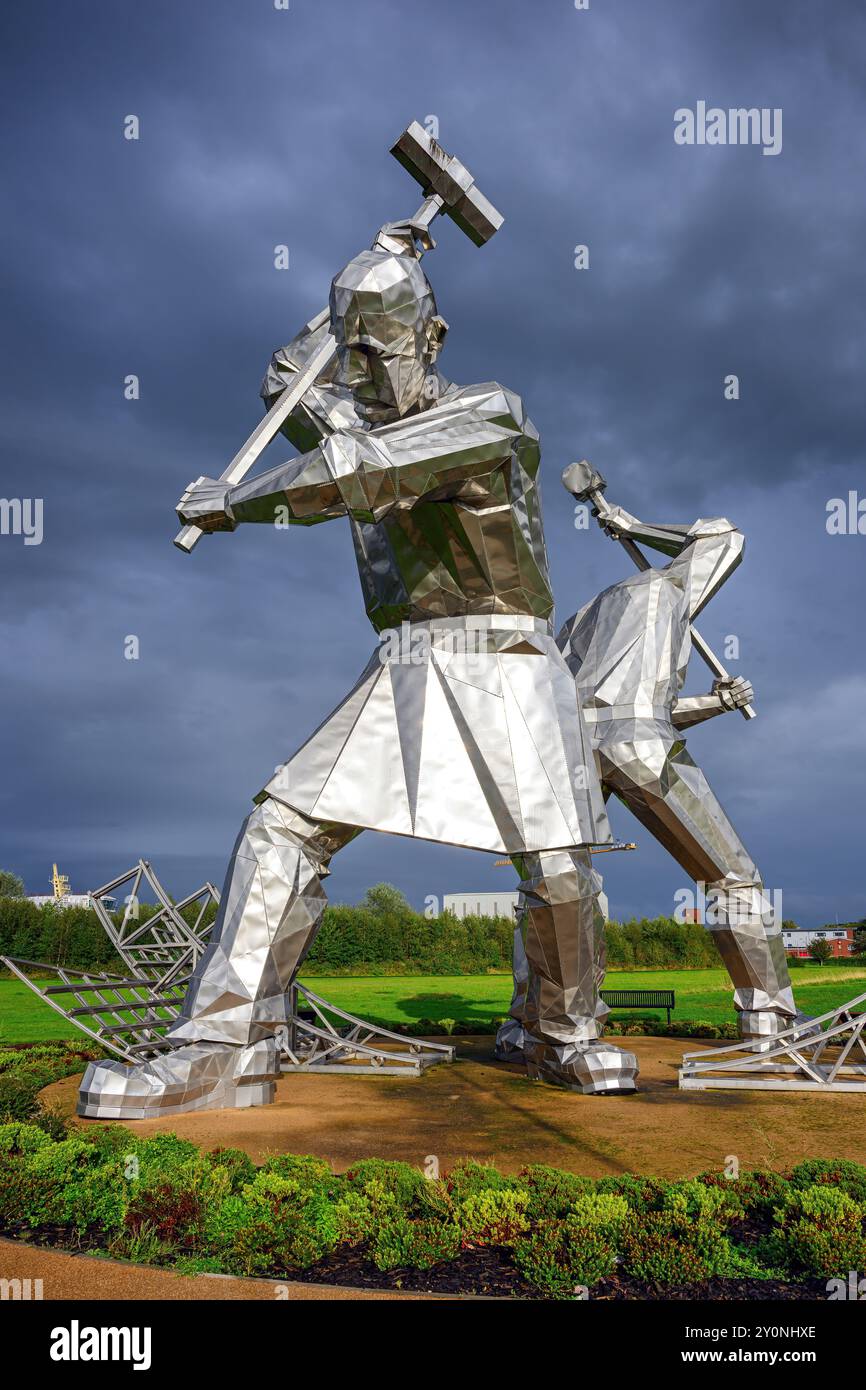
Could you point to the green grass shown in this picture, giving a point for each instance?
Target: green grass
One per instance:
(701, 994)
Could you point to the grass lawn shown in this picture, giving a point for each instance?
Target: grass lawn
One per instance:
(700, 994)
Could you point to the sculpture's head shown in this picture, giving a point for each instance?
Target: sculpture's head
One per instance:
(388, 333)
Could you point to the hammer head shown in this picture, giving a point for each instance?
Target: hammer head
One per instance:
(442, 174)
(582, 480)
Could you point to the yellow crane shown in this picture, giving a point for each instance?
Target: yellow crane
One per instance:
(60, 884)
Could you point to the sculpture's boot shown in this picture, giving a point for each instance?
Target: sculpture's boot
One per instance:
(204, 1076)
(238, 998)
(556, 1016)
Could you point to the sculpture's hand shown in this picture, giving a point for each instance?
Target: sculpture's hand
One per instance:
(205, 505)
(734, 692)
(613, 521)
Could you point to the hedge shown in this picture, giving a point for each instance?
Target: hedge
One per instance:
(381, 935)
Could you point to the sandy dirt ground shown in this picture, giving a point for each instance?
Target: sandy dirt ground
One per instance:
(85, 1279)
(479, 1108)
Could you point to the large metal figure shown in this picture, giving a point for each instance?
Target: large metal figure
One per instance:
(629, 649)
(464, 727)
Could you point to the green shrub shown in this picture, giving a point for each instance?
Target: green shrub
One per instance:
(841, 1172)
(492, 1217)
(237, 1164)
(637, 1190)
(683, 1240)
(559, 1256)
(25, 1071)
(401, 1243)
(403, 1181)
(758, 1190)
(467, 1178)
(173, 1214)
(274, 1224)
(309, 1172)
(655, 1249)
(551, 1191)
(66, 1185)
(819, 1230)
(17, 1138)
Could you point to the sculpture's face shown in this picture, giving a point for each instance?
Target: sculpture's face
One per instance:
(388, 334)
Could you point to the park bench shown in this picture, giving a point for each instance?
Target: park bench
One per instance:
(640, 999)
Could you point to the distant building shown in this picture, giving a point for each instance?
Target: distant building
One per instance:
(70, 900)
(61, 897)
(498, 904)
(840, 939)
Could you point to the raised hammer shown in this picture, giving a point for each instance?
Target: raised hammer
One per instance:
(585, 483)
(448, 188)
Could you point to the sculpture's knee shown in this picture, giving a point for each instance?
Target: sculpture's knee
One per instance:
(272, 828)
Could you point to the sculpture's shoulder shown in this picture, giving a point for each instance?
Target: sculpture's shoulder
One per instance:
(496, 403)
(460, 417)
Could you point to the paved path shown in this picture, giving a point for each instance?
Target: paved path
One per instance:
(85, 1278)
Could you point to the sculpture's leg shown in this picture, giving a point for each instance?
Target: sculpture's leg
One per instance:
(557, 1017)
(669, 794)
(509, 1037)
(270, 910)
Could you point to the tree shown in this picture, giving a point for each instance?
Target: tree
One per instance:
(386, 899)
(11, 886)
(859, 947)
(820, 950)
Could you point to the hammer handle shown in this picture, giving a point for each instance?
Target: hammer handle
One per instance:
(266, 430)
(703, 649)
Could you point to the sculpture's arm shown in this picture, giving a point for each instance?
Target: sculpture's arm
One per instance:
(695, 709)
(667, 537)
(439, 454)
(301, 491)
(726, 695)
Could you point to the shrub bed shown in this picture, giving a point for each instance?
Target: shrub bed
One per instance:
(25, 1070)
(541, 1233)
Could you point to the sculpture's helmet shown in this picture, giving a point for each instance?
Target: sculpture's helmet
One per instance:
(387, 330)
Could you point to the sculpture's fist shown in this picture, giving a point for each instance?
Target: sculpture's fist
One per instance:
(581, 479)
(205, 505)
(734, 692)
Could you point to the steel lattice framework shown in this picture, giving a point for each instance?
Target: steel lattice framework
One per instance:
(815, 1055)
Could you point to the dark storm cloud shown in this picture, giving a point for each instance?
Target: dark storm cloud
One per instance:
(155, 257)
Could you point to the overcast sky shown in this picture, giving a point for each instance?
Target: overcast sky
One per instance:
(155, 257)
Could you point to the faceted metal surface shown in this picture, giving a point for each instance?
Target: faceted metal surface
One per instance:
(472, 736)
(190, 1078)
(629, 649)
(557, 1015)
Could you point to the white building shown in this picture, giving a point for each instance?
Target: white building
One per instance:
(498, 904)
(69, 900)
(840, 939)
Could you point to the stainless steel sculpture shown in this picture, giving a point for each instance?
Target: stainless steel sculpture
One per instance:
(464, 727)
(629, 649)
